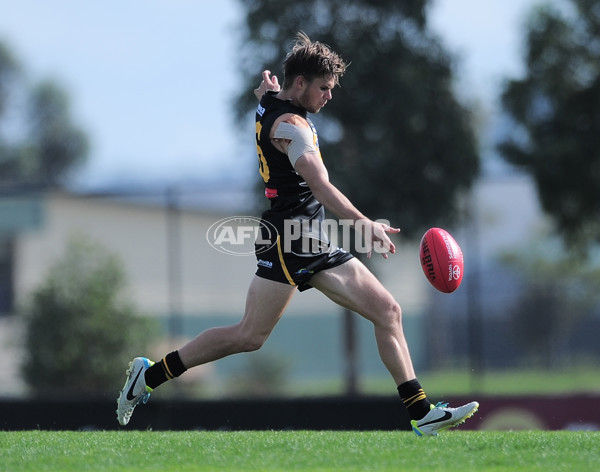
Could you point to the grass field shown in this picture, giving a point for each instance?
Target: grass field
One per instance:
(578, 379)
(583, 378)
(298, 451)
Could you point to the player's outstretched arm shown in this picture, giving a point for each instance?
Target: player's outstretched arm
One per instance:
(313, 171)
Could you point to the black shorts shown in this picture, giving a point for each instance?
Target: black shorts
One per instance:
(296, 267)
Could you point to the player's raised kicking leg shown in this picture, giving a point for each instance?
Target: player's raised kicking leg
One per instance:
(353, 286)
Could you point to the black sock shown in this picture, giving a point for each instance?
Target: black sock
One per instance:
(414, 399)
(168, 368)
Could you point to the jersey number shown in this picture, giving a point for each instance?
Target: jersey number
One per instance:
(263, 168)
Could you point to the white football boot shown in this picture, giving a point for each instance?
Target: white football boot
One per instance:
(441, 417)
(134, 391)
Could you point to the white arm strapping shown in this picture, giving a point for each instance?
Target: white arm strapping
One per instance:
(301, 139)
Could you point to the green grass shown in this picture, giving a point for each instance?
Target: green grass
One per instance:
(577, 379)
(298, 451)
(441, 384)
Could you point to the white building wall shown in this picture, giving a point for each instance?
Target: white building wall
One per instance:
(211, 282)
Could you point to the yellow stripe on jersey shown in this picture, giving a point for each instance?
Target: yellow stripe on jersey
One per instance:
(283, 266)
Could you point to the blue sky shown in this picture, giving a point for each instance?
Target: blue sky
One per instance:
(151, 81)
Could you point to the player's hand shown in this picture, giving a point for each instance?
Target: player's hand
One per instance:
(268, 83)
(377, 240)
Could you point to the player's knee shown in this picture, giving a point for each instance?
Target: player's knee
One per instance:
(252, 342)
(254, 345)
(391, 316)
(395, 314)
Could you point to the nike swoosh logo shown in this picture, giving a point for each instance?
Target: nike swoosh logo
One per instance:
(130, 395)
(447, 416)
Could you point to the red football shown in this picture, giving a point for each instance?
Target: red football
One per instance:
(441, 260)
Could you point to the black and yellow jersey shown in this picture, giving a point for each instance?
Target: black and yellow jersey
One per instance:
(289, 194)
(286, 256)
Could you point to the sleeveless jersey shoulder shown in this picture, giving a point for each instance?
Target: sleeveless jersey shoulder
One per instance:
(275, 166)
(288, 192)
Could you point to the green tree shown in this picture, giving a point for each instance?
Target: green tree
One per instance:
(80, 329)
(55, 145)
(395, 137)
(555, 111)
(43, 143)
(9, 73)
(9, 70)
